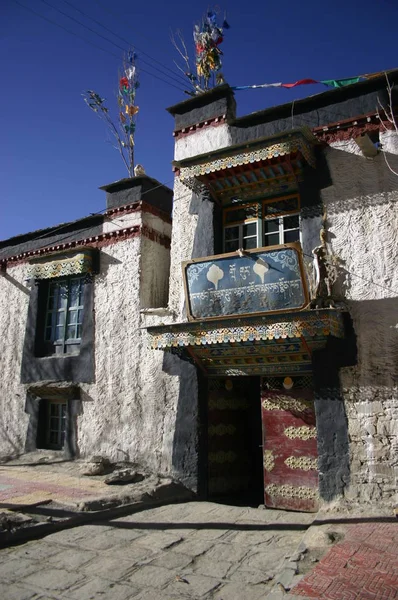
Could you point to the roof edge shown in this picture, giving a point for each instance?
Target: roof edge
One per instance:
(128, 182)
(200, 100)
(327, 97)
(22, 237)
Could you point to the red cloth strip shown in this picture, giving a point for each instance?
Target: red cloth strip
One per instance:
(300, 82)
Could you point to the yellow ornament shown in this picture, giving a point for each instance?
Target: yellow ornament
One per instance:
(288, 383)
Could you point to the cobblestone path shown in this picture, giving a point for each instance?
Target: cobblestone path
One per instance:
(192, 551)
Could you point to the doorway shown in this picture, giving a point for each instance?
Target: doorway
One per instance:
(262, 442)
(234, 441)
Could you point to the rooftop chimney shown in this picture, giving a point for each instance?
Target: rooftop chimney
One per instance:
(134, 189)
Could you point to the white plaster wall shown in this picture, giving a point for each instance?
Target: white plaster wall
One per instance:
(169, 388)
(138, 217)
(14, 301)
(184, 226)
(203, 140)
(155, 264)
(362, 218)
(115, 221)
(112, 407)
(132, 409)
(118, 421)
(155, 271)
(156, 223)
(185, 223)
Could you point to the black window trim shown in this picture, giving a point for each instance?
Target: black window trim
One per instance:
(66, 342)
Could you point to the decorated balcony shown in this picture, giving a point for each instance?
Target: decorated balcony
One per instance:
(249, 314)
(249, 310)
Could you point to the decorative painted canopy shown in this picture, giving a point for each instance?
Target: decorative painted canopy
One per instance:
(263, 167)
(62, 265)
(268, 345)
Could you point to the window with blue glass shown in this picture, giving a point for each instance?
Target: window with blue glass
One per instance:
(64, 315)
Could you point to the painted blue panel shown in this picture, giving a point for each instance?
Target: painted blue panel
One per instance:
(263, 281)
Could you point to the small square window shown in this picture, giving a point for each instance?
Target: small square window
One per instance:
(291, 236)
(250, 243)
(241, 227)
(291, 222)
(250, 229)
(272, 240)
(271, 226)
(231, 233)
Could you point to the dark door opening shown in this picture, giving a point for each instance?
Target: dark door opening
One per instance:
(234, 446)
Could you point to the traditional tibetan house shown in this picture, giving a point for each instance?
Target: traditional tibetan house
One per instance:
(75, 376)
(254, 358)
(283, 298)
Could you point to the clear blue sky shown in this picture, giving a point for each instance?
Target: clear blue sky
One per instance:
(53, 149)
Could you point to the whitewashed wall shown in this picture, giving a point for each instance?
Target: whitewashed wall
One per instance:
(155, 264)
(128, 411)
(170, 395)
(14, 301)
(362, 219)
(111, 405)
(184, 227)
(203, 140)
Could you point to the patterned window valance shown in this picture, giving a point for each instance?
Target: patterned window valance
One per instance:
(78, 263)
(301, 142)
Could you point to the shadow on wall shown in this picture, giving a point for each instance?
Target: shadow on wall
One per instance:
(371, 347)
(203, 206)
(356, 180)
(376, 327)
(331, 418)
(10, 437)
(106, 261)
(22, 288)
(185, 438)
(203, 243)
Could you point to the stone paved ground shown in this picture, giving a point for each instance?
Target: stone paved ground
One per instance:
(39, 477)
(21, 486)
(182, 551)
(364, 566)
